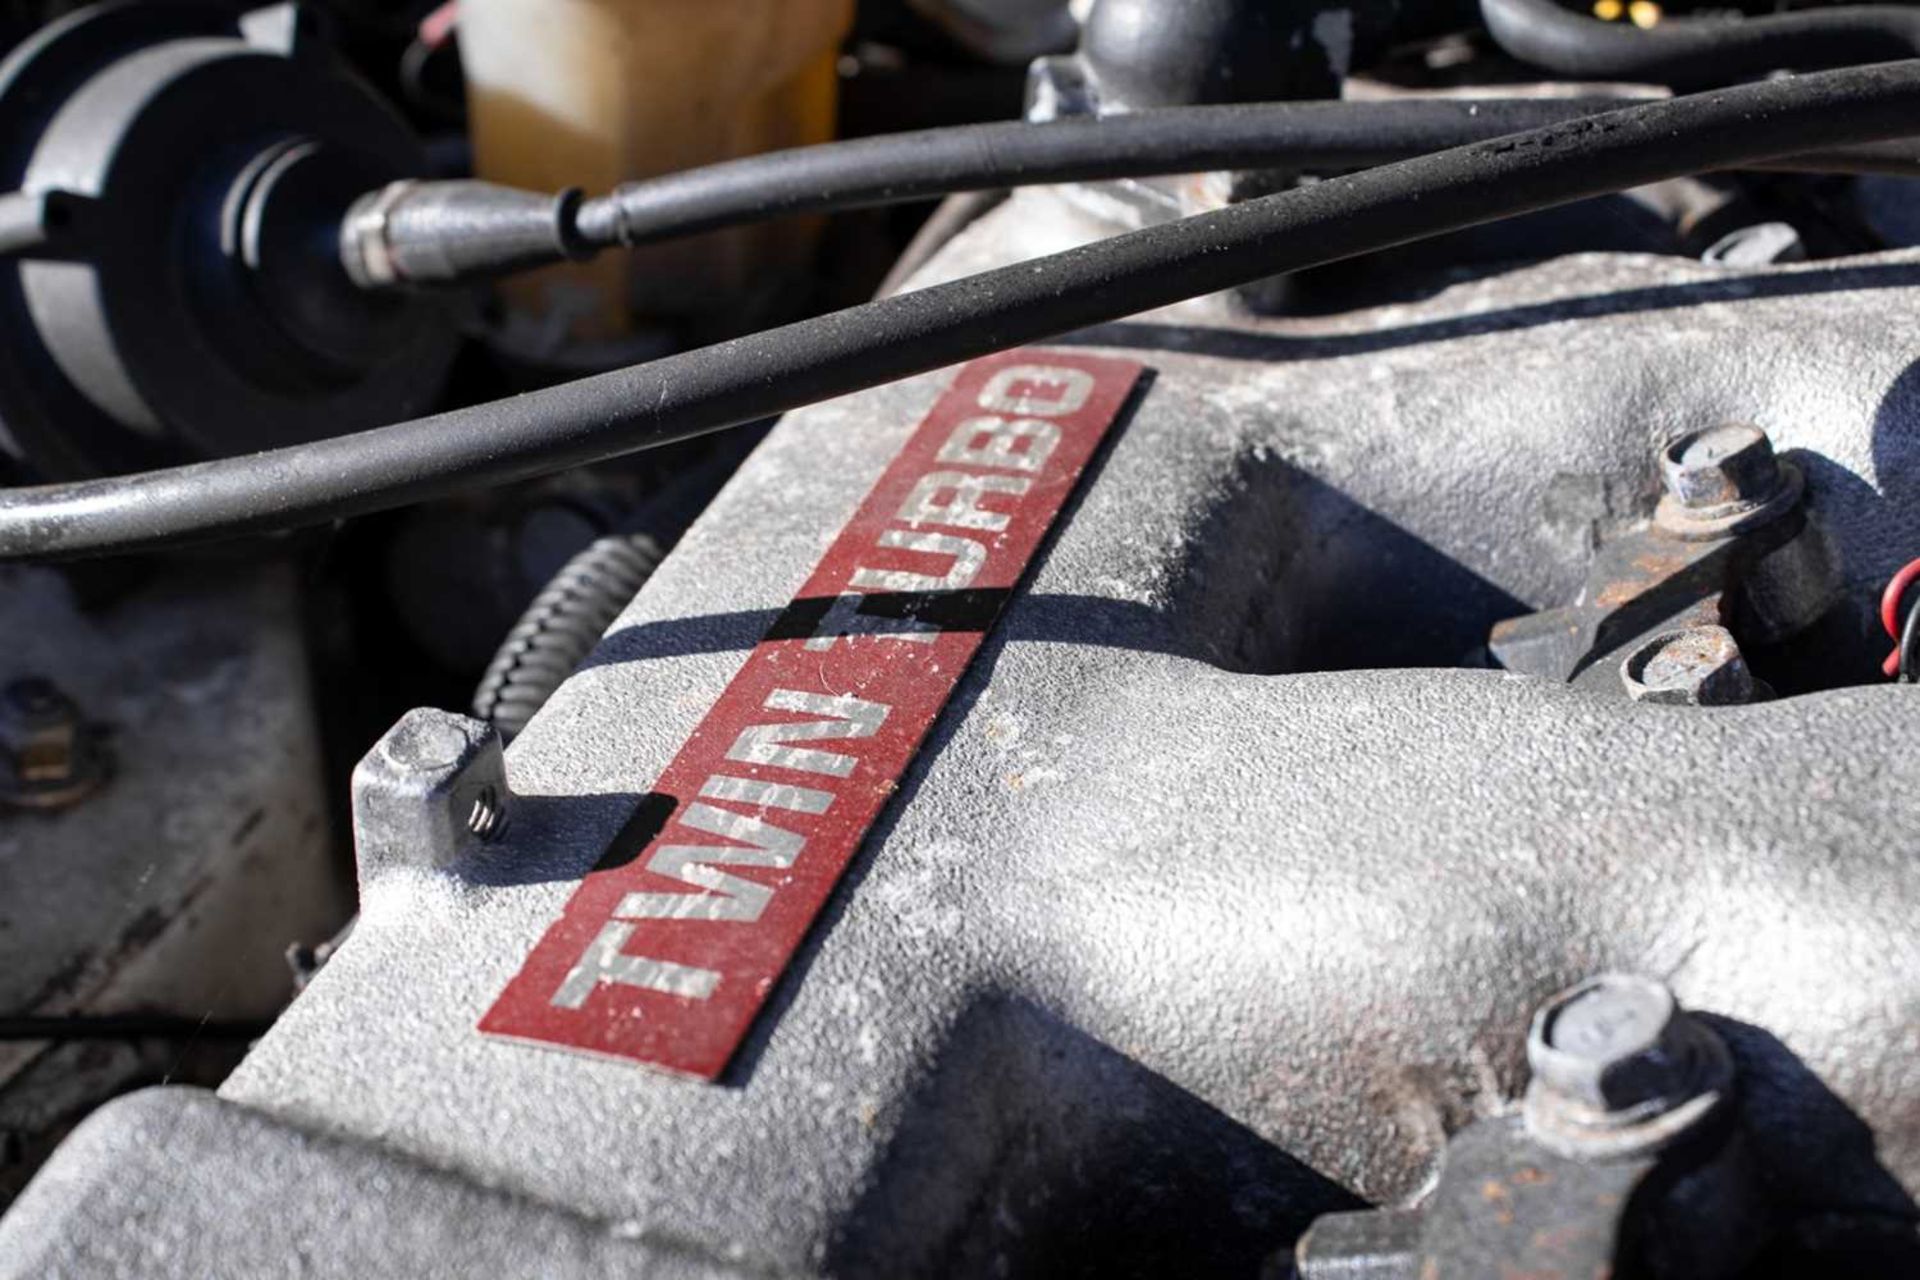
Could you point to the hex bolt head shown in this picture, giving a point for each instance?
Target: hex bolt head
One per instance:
(1604, 1043)
(1761, 245)
(427, 790)
(428, 743)
(1058, 88)
(1695, 667)
(41, 727)
(1727, 465)
(1722, 481)
(1617, 1064)
(48, 756)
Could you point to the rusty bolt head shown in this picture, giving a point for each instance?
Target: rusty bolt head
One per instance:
(1696, 667)
(1722, 467)
(1618, 1048)
(48, 756)
(1723, 481)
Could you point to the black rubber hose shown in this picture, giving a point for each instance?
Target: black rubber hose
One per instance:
(753, 377)
(561, 627)
(1314, 137)
(899, 167)
(450, 232)
(1698, 52)
(129, 1026)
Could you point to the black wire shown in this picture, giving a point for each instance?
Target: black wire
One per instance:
(450, 232)
(735, 382)
(926, 164)
(1909, 671)
(1697, 52)
(130, 1026)
(1313, 137)
(415, 74)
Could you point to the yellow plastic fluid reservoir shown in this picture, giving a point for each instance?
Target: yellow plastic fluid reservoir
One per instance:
(593, 93)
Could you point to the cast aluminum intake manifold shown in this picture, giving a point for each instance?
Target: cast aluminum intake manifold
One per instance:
(1222, 892)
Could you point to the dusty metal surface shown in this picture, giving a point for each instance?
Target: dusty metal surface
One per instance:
(1191, 922)
(175, 885)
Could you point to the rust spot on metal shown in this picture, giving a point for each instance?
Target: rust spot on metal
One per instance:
(1561, 1238)
(1496, 1192)
(1615, 594)
(1660, 564)
(1654, 567)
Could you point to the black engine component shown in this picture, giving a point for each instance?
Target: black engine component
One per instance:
(1694, 53)
(176, 196)
(1148, 53)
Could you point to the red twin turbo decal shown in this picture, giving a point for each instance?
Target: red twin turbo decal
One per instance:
(666, 957)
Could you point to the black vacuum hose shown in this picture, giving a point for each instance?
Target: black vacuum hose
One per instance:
(437, 233)
(753, 377)
(1693, 53)
(895, 168)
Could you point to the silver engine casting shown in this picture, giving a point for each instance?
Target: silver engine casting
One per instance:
(1222, 893)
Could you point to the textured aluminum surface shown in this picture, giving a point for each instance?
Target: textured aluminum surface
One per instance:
(1160, 953)
(667, 954)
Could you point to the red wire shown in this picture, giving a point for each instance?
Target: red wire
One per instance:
(1890, 612)
(438, 25)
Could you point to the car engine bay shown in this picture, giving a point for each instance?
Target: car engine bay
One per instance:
(959, 637)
